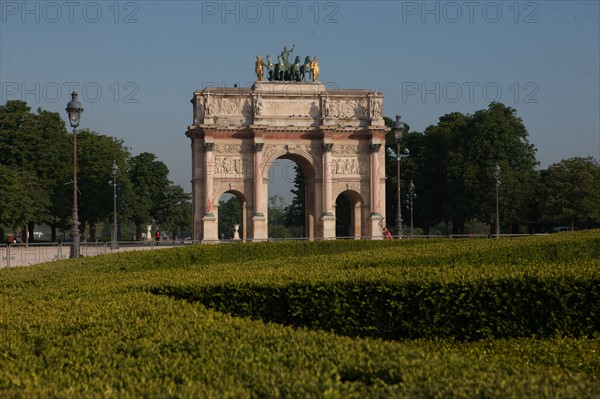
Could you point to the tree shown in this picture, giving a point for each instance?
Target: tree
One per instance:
(37, 145)
(432, 180)
(570, 193)
(277, 215)
(96, 153)
(175, 211)
(16, 206)
(498, 135)
(230, 213)
(149, 179)
(295, 213)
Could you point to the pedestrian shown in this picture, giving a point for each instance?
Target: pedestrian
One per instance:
(157, 236)
(386, 234)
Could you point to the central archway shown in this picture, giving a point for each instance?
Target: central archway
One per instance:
(308, 190)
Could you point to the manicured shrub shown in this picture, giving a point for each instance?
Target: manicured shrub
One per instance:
(162, 324)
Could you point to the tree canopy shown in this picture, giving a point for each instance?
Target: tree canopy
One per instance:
(570, 193)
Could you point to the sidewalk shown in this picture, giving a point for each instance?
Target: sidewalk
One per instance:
(29, 254)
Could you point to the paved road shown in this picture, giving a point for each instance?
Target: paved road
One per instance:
(25, 255)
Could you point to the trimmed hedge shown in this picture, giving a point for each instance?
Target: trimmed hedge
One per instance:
(475, 290)
(95, 328)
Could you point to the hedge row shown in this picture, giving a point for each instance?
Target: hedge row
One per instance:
(90, 328)
(475, 310)
(470, 290)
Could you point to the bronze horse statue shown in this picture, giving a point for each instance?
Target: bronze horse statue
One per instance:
(304, 69)
(270, 68)
(286, 71)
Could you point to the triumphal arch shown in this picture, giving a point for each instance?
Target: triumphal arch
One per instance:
(336, 136)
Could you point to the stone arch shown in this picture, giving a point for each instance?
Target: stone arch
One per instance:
(242, 198)
(233, 147)
(357, 212)
(307, 163)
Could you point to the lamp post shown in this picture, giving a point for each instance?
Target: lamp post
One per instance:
(497, 172)
(411, 196)
(114, 171)
(74, 110)
(398, 130)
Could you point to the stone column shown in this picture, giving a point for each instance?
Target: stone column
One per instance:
(209, 170)
(376, 217)
(258, 166)
(375, 200)
(328, 220)
(327, 180)
(209, 221)
(259, 221)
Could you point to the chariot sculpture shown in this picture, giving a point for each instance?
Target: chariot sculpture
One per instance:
(286, 71)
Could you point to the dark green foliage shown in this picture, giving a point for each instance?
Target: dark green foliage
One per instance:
(295, 213)
(230, 213)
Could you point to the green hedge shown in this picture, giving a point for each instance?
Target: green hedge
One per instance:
(464, 290)
(95, 328)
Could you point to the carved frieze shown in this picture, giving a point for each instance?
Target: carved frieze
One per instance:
(349, 166)
(228, 148)
(345, 149)
(229, 165)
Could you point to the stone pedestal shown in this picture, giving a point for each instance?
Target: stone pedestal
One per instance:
(210, 228)
(259, 225)
(377, 225)
(328, 222)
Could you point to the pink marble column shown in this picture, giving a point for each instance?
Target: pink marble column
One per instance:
(258, 168)
(209, 170)
(375, 197)
(327, 179)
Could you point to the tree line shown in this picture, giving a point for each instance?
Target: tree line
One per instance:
(36, 172)
(451, 164)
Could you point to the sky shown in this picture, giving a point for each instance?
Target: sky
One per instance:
(136, 64)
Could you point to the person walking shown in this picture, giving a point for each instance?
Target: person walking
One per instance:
(386, 234)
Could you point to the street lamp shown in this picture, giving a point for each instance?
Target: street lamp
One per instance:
(497, 172)
(411, 196)
(74, 110)
(398, 130)
(114, 171)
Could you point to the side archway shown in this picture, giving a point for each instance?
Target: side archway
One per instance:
(232, 212)
(350, 215)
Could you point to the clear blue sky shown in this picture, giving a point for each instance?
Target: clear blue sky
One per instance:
(137, 63)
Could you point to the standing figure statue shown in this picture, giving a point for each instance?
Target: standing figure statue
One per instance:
(257, 106)
(258, 68)
(326, 109)
(314, 69)
(285, 56)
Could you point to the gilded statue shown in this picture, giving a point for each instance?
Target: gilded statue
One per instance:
(258, 68)
(314, 69)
